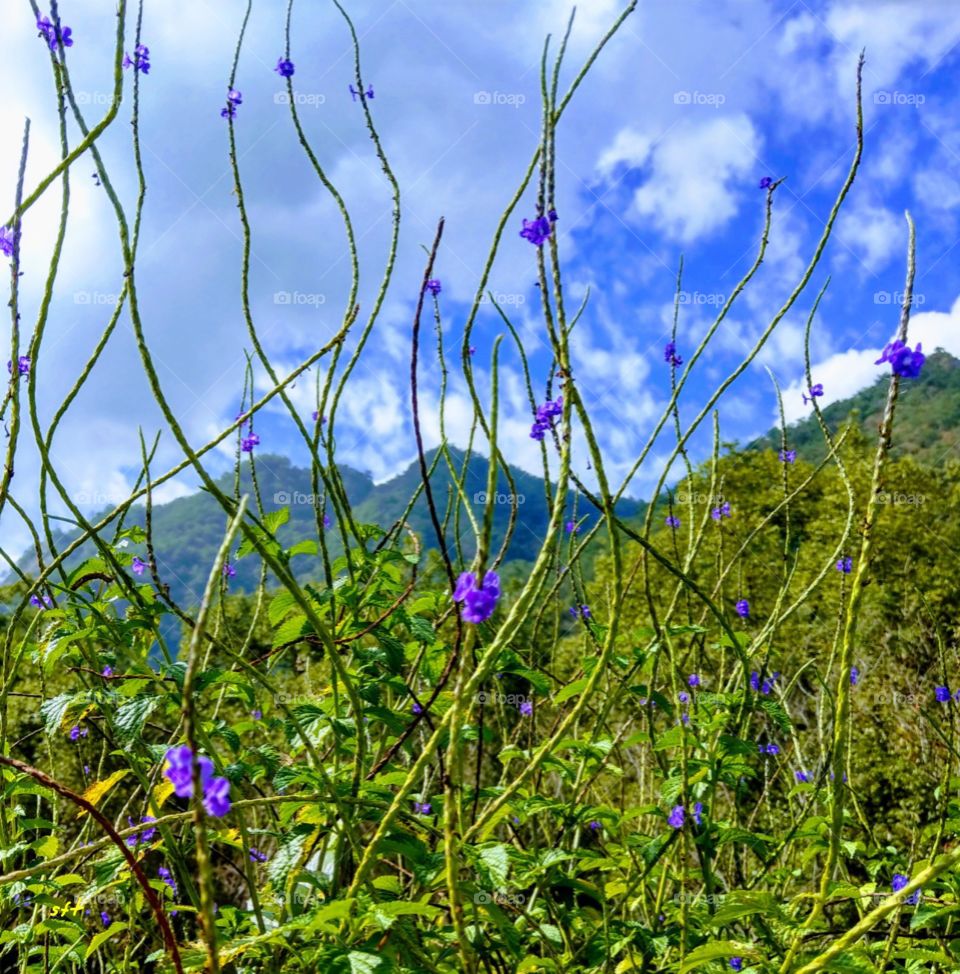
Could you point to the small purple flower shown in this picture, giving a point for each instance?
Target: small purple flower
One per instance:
(693, 680)
(544, 417)
(105, 918)
(594, 826)
(736, 963)
(670, 354)
(815, 391)
(898, 883)
(854, 676)
(845, 565)
(247, 443)
(719, 513)
(942, 694)
(363, 94)
(580, 610)
(256, 714)
(74, 733)
(421, 808)
(326, 521)
(697, 812)
(53, 33)
(41, 601)
(216, 797)
(526, 708)
(167, 877)
(23, 365)
(903, 361)
(138, 566)
(146, 835)
(472, 350)
(788, 456)
(140, 60)
(257, 856)
(676, 817)
(234, 98)
(672, 522)
(803, 777)
(216, 791)
(107, 671)
(571, 527)
(743, 609)
(683, 696)
(416, 708)
(433, 286)
(229, 571)
(766, 182)
(6, 241)
(552, 216)
(536, 231)
(479, 601)
(284, 67)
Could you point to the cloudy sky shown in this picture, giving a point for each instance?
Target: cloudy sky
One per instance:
(658, 156)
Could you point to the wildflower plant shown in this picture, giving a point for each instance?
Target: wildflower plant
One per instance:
(672, 803)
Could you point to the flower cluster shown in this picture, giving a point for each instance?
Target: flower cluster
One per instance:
(478, 601)
(766, 687)
(53, 33)
(845, 565)
(678, 815)
(140, 60)
(544, 417)
(670, 354)
(672, 521)
(6, 241)
(421, 808)
(719, 513)
(144, 836)
(248, 442)
(580, 610)
(216, 791)
(537, 231)
(41, 601)
(768, 748)
(788, 456)
(234, 98)
(899, 881)
(284, 67)
(904, 361)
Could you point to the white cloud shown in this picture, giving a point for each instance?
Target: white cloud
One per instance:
(873, 234)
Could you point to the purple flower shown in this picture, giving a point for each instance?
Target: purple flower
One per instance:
(736, 963)
(326, 521)
(683, 696)
(249, 442)
(53, 33)
(76, 733)
(229, 571)
(942, 694)
(536, 231)
(743, 609)
(6, 241)
(363, 94)
(672, 522)
(478, 600)
(552, 216)
(571, 527)
(845, 565)
(216, 791)
(788, 456)
(899, 881)
(416, 708)
(676, 817)
(719, 513)
(138, 565)
(544, 417)
(903, 361)
(697, 810)
(803, 777)
(472, 350)
(256, 714)
(140, 60)
(234, 98)
(766, 182)
(815, 391)
(146, 835)
(421, 808)
(670, 354)
(167, 877)
(594, 826)
(854, 676)
(580, 610)
(284, 67)
(693, 680)
(433, 286)
(105, 918)
(107, 671)
(23, 365)
(526, 708)
(41, 601)
(257, 856)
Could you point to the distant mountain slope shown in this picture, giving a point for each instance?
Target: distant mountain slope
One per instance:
(187, 531)
(926, 425)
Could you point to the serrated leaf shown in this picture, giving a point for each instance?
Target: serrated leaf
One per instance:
(132, 715)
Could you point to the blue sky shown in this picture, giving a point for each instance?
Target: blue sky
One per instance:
(659, 155)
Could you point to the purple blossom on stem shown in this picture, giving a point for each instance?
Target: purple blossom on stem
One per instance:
(693, 680)
(672, 521)
(216, 791)
(234, 98)
(421, 808)
(229, 571)
(898, 883)
(23, 365)
(6, 241)
(138, 565)
(854, 676)
(736, 963)
(942, 694)
(571, 527)
(904, 361)
(284, 67)
(803, 777)
(140, 60)
(845, 565)
(544, 417)
(167, 877)
(105, 918)
(526, 708)
(53, 33)
(719, 513)
(766, 182)
(433, 286)
(416, 708)
(815, 391)
(675, 819)
(536, 231)
(247, 443)
(257, 856)
(788, 456)
(41, 601)
(670, 354)
(743, 608)
(478, 601)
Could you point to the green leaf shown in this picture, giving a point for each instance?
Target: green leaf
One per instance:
(133, 715)
(718, 950)
(363, 963)
(102, 937)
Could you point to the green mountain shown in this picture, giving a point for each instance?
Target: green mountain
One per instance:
(927, 423)
(187, 532)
